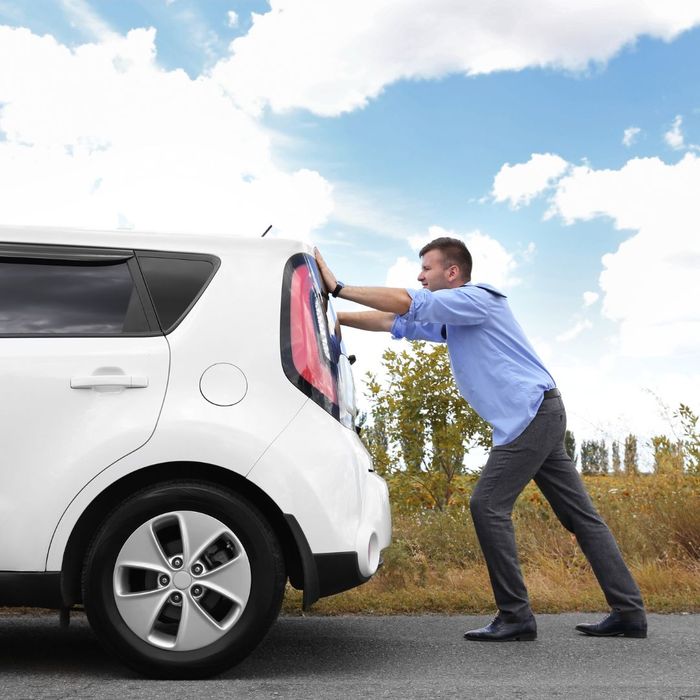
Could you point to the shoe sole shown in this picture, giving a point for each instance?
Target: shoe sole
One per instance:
(638, 634)
(519, 638)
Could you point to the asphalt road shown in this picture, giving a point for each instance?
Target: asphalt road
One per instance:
(372, 657)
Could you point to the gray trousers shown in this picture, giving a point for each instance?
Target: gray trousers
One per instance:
(539, 454)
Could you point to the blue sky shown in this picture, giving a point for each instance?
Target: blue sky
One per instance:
(547, 140)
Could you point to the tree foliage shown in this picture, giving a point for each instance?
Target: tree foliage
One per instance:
(616, 464)
(668, 455)
(570, 445)
(421, 427)
(690, 439)
(594, 457)
(631, 459)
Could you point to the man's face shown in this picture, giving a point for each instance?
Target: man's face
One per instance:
(434, 275)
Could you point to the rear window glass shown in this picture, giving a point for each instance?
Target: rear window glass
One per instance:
(174, 283)
(48, 297)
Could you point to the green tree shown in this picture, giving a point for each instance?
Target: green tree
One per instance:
(616, 463)
(375, 438)
(570, 445)
(594, 457)
(630, 459)
(587, 457)
(603, 458)
(668, 455)
(422, 427)
(690, 439)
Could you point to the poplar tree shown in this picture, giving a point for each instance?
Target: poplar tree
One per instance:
(616, 464)
(630, 459)
(570, 445)
(587, 457)
(594, 457)
(603, 459)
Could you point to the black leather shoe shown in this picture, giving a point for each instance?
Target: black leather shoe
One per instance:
(617, 624)
(500, 631)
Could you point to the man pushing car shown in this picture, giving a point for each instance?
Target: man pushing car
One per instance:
(498, 372)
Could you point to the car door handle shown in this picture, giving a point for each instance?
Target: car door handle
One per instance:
(126, 381)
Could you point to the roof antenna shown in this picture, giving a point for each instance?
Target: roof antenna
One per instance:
(266, 231)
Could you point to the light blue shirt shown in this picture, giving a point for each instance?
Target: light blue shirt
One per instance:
(496, 369)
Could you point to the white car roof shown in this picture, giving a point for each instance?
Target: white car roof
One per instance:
(139, 240)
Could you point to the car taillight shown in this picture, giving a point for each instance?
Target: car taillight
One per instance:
(309, 354)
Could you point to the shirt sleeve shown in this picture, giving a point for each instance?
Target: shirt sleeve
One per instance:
(461, 306)
(410, 330)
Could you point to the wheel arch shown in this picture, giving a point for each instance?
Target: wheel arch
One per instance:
(107, 500)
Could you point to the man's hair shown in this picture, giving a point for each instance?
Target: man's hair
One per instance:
(454, 252)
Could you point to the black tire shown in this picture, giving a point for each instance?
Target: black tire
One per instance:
(267, 579)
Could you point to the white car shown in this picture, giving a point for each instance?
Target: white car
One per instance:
(178, 439)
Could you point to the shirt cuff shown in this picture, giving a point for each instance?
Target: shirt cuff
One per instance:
(398, 328)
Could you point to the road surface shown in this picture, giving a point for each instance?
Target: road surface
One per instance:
(371, 657)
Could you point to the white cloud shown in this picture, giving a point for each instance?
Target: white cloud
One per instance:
(650, 286)
(674, 136)
(100, 134)
(86, 20)
(232, 18)
(333, 56)
(519, 183)
(590, 298)
(574, 331)
(651, 282)
(630, 135)
(609, 398)
(543, 348)
(196, 33)
(403, 273)
(492, 262)
(529, 253)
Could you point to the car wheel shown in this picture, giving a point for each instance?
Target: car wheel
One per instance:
(183, 580)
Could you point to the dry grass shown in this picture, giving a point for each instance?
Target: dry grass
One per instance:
(435, 565)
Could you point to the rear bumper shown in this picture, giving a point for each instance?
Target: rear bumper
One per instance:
(324, 574)
(320, 476)
(333, 572)
(338, 572)
(328, 573)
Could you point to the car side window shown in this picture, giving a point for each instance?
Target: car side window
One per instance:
(175, 283)
(68, 298)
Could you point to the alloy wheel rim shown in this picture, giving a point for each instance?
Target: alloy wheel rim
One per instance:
(181, 580)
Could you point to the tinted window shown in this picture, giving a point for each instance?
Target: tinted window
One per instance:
(63, 298)
(174, 284)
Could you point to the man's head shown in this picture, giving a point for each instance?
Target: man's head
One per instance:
(445, 263)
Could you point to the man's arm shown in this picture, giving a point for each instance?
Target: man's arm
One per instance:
(367, 320)
(388, 299)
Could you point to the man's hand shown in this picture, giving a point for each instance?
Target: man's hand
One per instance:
(329, 279)
(391, 299)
